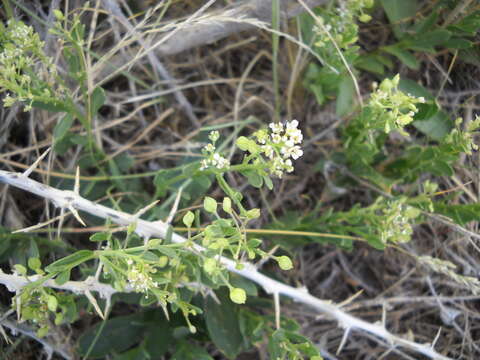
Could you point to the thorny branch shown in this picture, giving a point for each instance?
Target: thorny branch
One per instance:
(146, 229)
(49, 348)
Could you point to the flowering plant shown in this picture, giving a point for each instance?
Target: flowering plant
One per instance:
(203, 286)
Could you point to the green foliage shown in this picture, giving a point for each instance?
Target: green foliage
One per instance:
(222, 321)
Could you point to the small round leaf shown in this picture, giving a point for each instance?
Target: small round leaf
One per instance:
(238, 295)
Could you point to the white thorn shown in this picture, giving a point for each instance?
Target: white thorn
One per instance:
(165, 311)
(384, 315)
(5, 336)
(60, 222)
(344, 340)
(108, 304)
(350, 299)
(276, 300)
(18, 301)
(32, 167)
(145, 209)
(94, 303)
(76, 188)
(436, 338)
(174, 209)
(34, 227)
(77, 216)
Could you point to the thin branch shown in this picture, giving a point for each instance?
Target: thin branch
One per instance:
(49, 348)
(147, 229)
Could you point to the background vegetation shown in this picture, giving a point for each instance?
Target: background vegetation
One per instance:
(380, 214)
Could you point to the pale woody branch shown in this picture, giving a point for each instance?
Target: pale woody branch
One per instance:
(158, 229)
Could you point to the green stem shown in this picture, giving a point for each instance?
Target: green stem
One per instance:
(230, 192)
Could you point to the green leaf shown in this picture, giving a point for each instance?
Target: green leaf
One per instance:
(227, 205)
(34, 263)
(426, 24)
(458, 43)
(186, 351)
(284, 344)
(247, 145)
(460, 214)
(209, 204)
(20, 269)
(268, 182)
(253, 214)
(469, 24)
(412, 87)
(101, 236)
(62, 127)
(399, 10)
(158, 345)
(137, 353)
(284, 262)
(118, 334)
(370, 63)
(98, 99)
(209, 265)
(70, 261)
(247, 285)
(436, 127)
(53, 107)
(253, 178)
(430, 39)
(165, 250)
(345, 96)
(223, 325)
(242, 143)
(52, 303)
(403, 55)
(163, 179)
(238, 295)
(149, 256)
(188, 219)
(63, 277)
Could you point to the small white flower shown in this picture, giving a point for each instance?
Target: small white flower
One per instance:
(296, 152)
(209, 148)
(292, 125)
(296, 136)
(268, 150)
(223, 163)
(276, 138)
(214, 136)
(278, 173)
(277, 128)
(288, 165)
(204, 164)
(220, 162)
(421, 99)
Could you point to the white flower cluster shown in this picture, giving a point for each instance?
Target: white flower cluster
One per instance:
(394, 108)
(281, 145)
(139, 276)
(396, 223)
(213, 159)
(21, 52)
